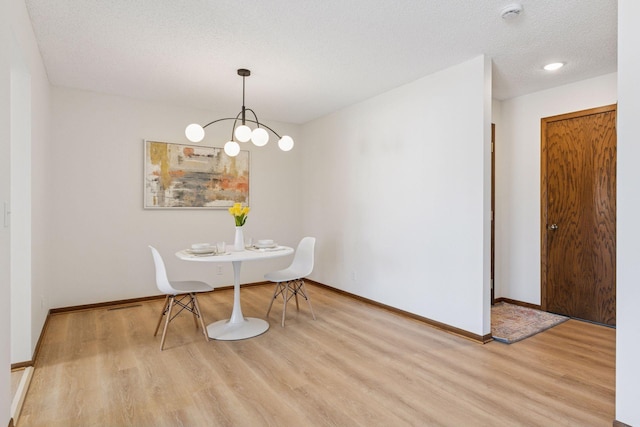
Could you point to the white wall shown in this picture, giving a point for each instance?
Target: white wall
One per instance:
(40, 167)
(395, 192)
(21, 348)
(98, 231)
(628, 228)
(30, 139)
(5, 195)
(23, 113)
(517, 269)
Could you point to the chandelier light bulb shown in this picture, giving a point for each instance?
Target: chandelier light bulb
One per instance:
(243, 133)
(194, 132)
(259, 137)
(285, 143)
(232, 148)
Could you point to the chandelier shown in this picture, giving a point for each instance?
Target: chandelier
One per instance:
(243, 133)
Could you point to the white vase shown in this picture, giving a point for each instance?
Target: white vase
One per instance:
(238, 243)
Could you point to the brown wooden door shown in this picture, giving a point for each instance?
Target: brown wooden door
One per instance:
(578, 236)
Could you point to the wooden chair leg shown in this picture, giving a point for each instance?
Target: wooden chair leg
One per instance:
(166, 322)
(192, 297)
(275, 294)
(284, 306)
(295, 293)
(306, 296)
(204, 329)
(164, 311)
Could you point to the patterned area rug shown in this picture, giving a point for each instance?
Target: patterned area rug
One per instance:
(511, 323)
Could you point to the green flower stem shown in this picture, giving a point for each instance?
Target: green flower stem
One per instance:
(240, 220)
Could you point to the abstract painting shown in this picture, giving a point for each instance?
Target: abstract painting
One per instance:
(191, 176)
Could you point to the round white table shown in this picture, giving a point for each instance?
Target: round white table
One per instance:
(237, 327)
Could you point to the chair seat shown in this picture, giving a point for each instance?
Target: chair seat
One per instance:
(188, 286)
(283, 275)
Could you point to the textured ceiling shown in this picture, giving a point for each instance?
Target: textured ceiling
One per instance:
(311, 57)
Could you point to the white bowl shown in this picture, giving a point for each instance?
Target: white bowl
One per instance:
(265, 242)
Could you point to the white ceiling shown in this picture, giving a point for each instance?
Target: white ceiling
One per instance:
(311, 57)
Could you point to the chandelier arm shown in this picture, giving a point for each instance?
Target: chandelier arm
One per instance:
(241, 113)
(256, 121)
(219, 120)
(235, 121)
(254, 115)
(263, 125)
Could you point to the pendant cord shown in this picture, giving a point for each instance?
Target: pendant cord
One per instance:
(243, 109)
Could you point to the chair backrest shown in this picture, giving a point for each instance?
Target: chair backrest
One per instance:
(303, 259)
(162, 281)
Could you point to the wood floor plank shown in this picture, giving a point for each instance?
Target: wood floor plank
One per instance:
(356, 365)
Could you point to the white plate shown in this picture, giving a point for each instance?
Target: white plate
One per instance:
(208, 254)
(209, 250)
(266, 246)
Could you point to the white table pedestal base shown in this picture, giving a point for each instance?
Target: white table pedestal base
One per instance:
(224, 330)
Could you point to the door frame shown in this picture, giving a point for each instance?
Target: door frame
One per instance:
(493, 212)
(544, 190)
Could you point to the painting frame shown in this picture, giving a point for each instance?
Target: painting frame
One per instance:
(189, 176)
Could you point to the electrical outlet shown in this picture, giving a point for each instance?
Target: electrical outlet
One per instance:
(219, 270)
(353, 275)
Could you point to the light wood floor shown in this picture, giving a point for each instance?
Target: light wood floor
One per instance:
(357, 365)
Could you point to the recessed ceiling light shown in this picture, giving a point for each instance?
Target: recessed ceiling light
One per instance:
(554, 66)
(512, 11)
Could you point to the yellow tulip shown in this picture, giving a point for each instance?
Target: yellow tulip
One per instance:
(239, 213)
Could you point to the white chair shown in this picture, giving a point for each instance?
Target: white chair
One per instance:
(290, 281)
(177, 293)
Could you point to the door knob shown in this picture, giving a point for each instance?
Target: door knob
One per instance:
(553, 227)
